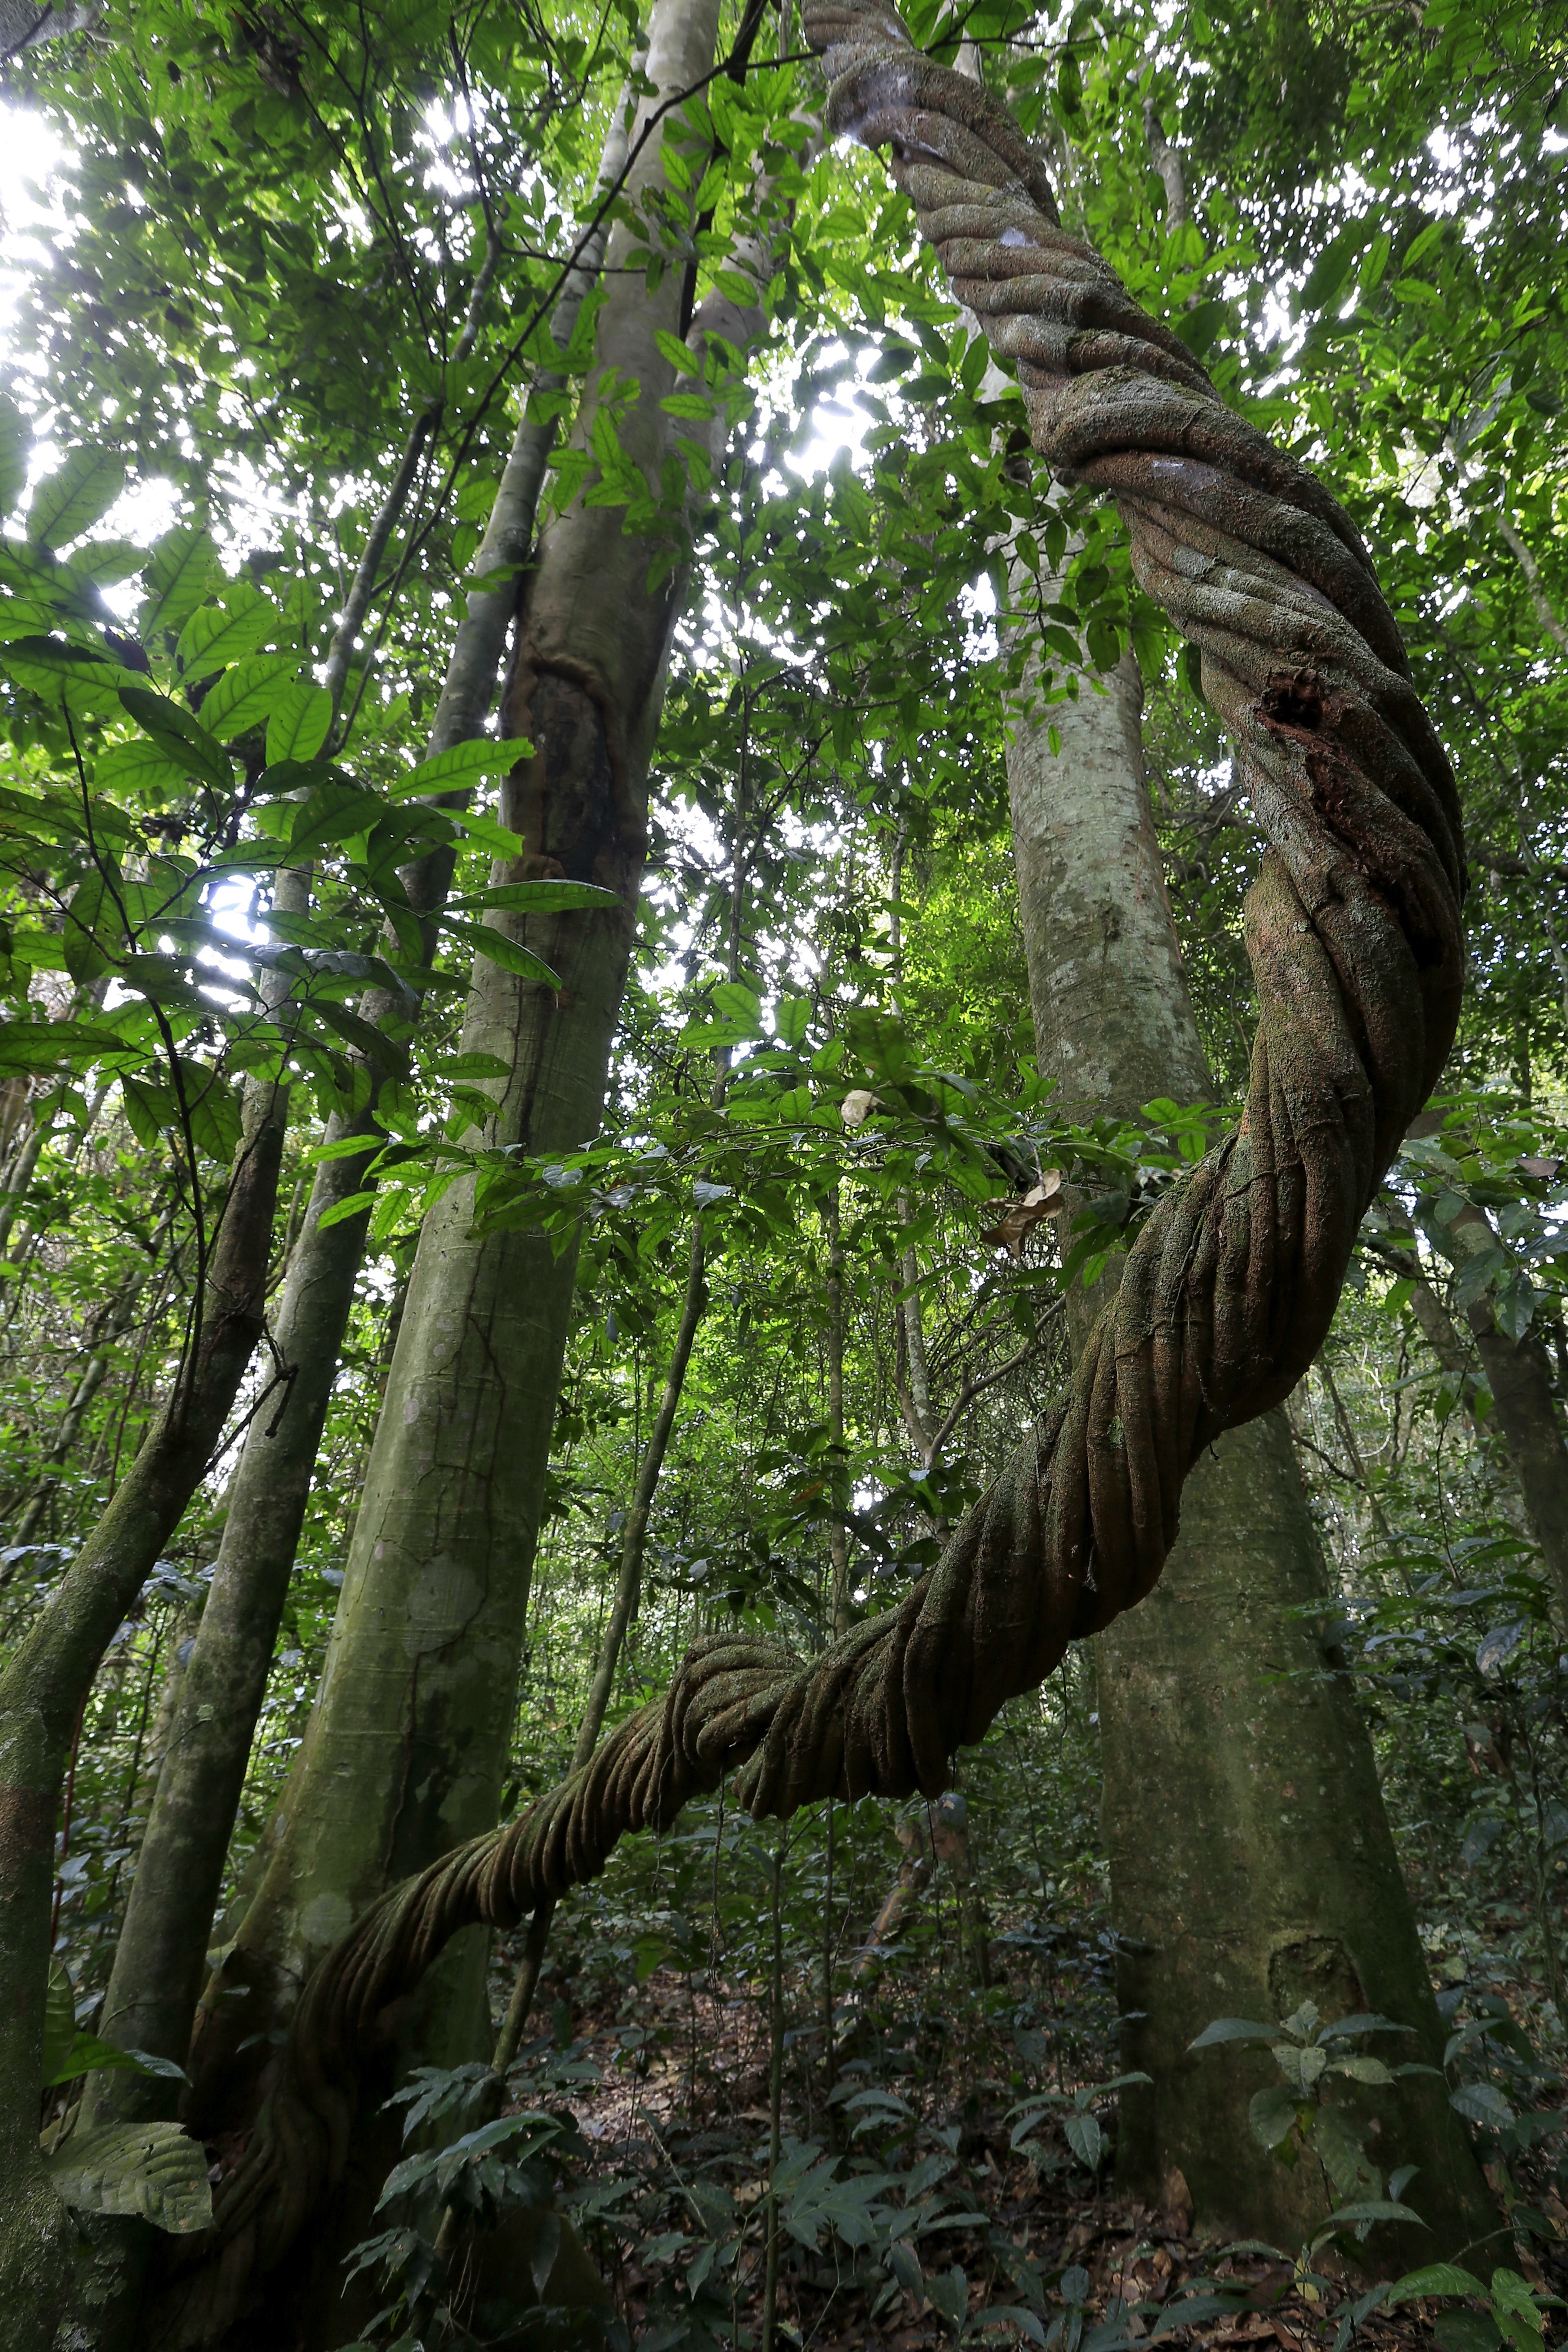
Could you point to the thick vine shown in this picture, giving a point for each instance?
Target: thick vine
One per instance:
(1353, 929)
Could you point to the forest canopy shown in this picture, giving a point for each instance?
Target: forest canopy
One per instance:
(784, 1145)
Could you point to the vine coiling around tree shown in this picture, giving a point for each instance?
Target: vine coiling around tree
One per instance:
(1354, 930)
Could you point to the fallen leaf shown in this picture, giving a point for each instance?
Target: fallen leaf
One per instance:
(1015, 1223)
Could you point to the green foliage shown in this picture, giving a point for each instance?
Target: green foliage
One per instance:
(277, 240)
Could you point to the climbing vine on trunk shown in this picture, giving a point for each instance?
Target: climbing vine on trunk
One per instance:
(1354, 931)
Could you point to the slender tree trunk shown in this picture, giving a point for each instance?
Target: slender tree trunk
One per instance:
(629, 1585)
(160, 1958)
(633, 1535)
(1250, 1856)
(93, 1374)
(838, 1542)
(16, 1191)
(36, 1509)
(44, 1683)
(1519, 1376)
(415, 1704)
(914, 1395)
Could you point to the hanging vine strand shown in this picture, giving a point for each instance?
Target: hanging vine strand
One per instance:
(1353, 929)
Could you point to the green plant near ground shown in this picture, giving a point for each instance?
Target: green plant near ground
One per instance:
(1514, 2313)
(1295, 2116)
(1080, 2126)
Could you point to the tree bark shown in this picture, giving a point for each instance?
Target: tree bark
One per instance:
(1251, 1861)
(406, 1747)
(160, 1961)
(93, 1374)
(838, 1541)
(21, 1181)
(1520, 1377)
(44, 1683)
(633, 1535)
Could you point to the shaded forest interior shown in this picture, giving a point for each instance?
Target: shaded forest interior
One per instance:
(733, 750)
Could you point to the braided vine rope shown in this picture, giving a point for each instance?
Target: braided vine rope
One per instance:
(1354, 930)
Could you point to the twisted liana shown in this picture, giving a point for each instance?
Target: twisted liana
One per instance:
(1354, 931)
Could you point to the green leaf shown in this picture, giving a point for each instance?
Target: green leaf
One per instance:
(354, 1204)
(1192, 2310)
(1372, 2209)
(1271, 2112)
(361, 1035)
(1332, 266)
(1467, 2331)
(60, 2020)
(500, 949)
(140, 770)
(151, 1111)
(16, 446)
(680, 358)
(178, 577)
(300, 722)
(244, 695)
(1337, 2141)
(104, 561)
(213, 1108)
(1361, 2070)
(333, 812)
(486, 834)
(155, 2170)
(1480, 2104)
(1438, 2278)
(48, 666)
(460, 768)
(30, 1048)
(539, 898)
(1085, 2138)
(89, 2055)
(70, 500)
(1197, 328)
(179, 737)
(218, 634)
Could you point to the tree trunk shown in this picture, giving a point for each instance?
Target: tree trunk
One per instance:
(1520, 1380)
(838, 1541)
(406, 1748)
(160, 1961)
(1250, 1856)
(93, 1374)
(44, 1683)
(633, 1535)
(21, 1182)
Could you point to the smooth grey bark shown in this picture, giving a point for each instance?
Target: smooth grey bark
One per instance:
(24, 25)
(1537, 586)
(21, 1181)
(1251, 1861)
(405, 1750)
(628, 1586)
(915, 1391)
(1519, 1376)
(633, 1535)
(161, 1950)
(161, 1959)
(42, 1687)
(838, 1541)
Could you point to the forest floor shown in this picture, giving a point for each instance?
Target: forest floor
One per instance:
(669, 2080)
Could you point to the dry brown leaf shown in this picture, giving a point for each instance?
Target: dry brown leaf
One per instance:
(1017, 1219)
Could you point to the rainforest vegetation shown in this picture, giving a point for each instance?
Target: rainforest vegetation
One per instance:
(741, 909)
